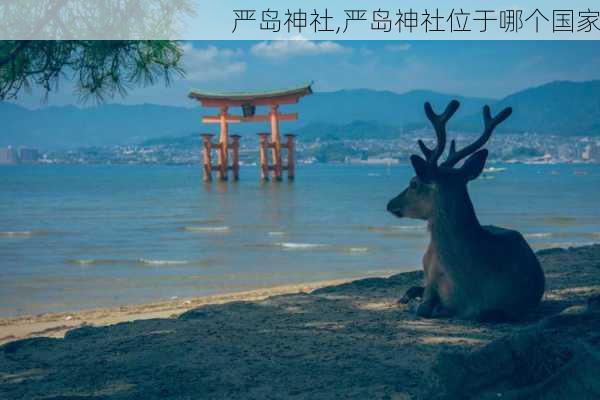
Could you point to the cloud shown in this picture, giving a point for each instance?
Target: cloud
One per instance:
(398, 47)
(296, 47)
(212, 63)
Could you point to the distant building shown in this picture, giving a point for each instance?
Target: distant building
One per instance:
(585, 154)
(27, 155)
(566, 152)
(591, 153)
(8, 155)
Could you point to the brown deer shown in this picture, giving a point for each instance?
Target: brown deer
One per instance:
(471, 271)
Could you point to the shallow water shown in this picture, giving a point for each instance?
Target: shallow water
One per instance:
(74, 237)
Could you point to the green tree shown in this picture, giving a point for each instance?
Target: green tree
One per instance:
(98, 69)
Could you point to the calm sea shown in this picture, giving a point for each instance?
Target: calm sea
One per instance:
(75, 237)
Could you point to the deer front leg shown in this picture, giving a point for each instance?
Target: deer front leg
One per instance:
(412, 293)
(428, 305)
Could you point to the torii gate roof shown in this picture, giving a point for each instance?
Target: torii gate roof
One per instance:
(257, 98)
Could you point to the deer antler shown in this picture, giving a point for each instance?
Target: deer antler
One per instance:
(439, 125)
(490, 124)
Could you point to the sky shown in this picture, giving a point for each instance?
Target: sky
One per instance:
(491, 69)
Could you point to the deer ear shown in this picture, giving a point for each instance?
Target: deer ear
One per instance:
(422, 168)
(473, 166)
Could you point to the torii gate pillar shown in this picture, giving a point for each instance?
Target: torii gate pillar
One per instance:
(223, 144)
(276, 143)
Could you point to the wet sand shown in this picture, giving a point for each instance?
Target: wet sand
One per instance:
(55, 325)
(342, 340)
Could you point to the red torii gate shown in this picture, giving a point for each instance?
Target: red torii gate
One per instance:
(249, 101)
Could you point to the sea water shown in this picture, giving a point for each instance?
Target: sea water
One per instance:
(81, 236)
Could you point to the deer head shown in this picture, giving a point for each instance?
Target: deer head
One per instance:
(435, 183)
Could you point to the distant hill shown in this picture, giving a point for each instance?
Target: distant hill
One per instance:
(389, 108)
(187, 141)
(353, 130)
(60, 127)
(560, 108)
(563, 108)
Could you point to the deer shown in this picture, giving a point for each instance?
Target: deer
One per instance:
(485, 273)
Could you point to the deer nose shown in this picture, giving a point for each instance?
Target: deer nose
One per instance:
(390, 206)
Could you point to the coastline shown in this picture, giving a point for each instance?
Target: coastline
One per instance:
(327, 340)
(56, 324)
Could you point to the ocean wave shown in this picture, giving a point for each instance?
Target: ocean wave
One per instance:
(562, 245)
(308, 246)
(277, 233)
(559, 220)
(146, 261)
(409, 227)
(202, 221)
(97, 261)
(542, 235)
(16, 234)
(110, 261)
(407, 231)
(358, 249)
(538, 235)
(81, 261)
(398, 228)
(494, 169)
(207, 229)
(300, 246)
(20, 234)
(578, 234)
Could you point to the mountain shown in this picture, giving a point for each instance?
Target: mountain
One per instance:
(563, 108)
(389, 108)
(560, 108)
(187, 141)
(353, 130)
(108, 124)
(64, 127)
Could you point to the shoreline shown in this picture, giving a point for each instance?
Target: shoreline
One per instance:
(56, 324)
(342, 340)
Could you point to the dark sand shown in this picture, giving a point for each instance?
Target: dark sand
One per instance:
(347, 341)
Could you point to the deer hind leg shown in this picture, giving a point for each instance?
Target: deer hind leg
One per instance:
(412, 293)
(439, 311)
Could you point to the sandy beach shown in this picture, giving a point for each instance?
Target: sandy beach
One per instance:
(319, 341)
(55, 325)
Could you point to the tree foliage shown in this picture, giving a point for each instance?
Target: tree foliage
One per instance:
(97, 69)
